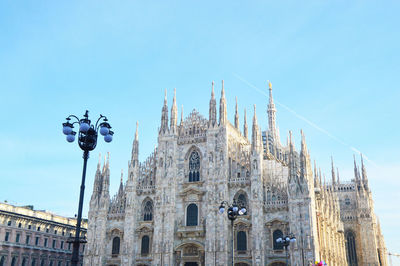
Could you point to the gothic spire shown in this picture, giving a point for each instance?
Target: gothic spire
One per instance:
(304, 159)
(255, 132)
(174, 114)
(222, 107)
(245, 129)
(364, 173)
(121, 185)
(337, 175)
(356, 175)
(271, 114)
(164, 115)
(213, 108)
(236, 115)
(135, 147)
(99, 162)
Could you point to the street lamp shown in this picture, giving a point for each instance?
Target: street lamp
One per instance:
(87, 140)
(233, 212)
(285, 241)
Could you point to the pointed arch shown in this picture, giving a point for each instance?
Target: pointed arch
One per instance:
(241, 199)
(147, 209)
(351, 249)
(275, 235)
(192, 214)
(115, 245)
(193, 159)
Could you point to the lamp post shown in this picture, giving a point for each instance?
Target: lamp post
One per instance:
(285, 241)
(87, 140)
(233, 212)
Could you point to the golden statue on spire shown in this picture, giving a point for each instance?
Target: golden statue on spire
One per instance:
(270, 85)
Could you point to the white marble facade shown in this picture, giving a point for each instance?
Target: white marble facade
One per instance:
(201, 162)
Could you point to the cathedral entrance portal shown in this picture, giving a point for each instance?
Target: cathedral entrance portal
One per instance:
(191, 264)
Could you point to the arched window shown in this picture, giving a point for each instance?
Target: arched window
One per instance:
(242, 201)
(241, 239)
(148, 211)
(277, 234)
(191, 215)
(194, 167)
(351, 248)
(115, 245)
(145, 245)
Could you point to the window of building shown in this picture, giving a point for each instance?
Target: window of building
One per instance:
(14, 261)
(115, 245)
(145, 245)
(69, 246)
(19, 225)
(241, 241)
(51, 263)
(277, 234)
(33, 262)
(2, 261)
(62, 245)
(347, 201)
(59, 263)
(37, 241)
(38, 228)
(55, 232)
(47, 230)
(23, 262)
(54, 243)
(7, 236)
(194, 167)
(9, 223)
(27, 239)
(42, 262)
(192, 215)
(29, 226)
(351, 248)
(63, 233)
(45, 242)
(17, 237)
(148, 211)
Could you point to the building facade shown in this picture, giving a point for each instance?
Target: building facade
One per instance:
(166, 213)
(30, 237)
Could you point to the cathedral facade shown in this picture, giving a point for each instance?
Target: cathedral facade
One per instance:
(166, 213)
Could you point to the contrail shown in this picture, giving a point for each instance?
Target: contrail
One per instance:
(320, 129)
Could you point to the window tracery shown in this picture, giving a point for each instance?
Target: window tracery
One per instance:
(194, 167)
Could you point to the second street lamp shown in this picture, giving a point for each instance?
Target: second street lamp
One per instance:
(233, 212)
(285, 241)
(87, 140)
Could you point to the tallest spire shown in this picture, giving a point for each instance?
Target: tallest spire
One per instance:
(271, 114)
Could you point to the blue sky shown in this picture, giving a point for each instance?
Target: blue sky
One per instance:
(334, 63)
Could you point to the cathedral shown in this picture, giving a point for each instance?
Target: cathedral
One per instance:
(167, 211)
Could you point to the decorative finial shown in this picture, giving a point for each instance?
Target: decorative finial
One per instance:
(269, 85)
(212, 89)
(137, 131)
(182, 114)
(165, 97)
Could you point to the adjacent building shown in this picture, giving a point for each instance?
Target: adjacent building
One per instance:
(31, 237)
(166, 212)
